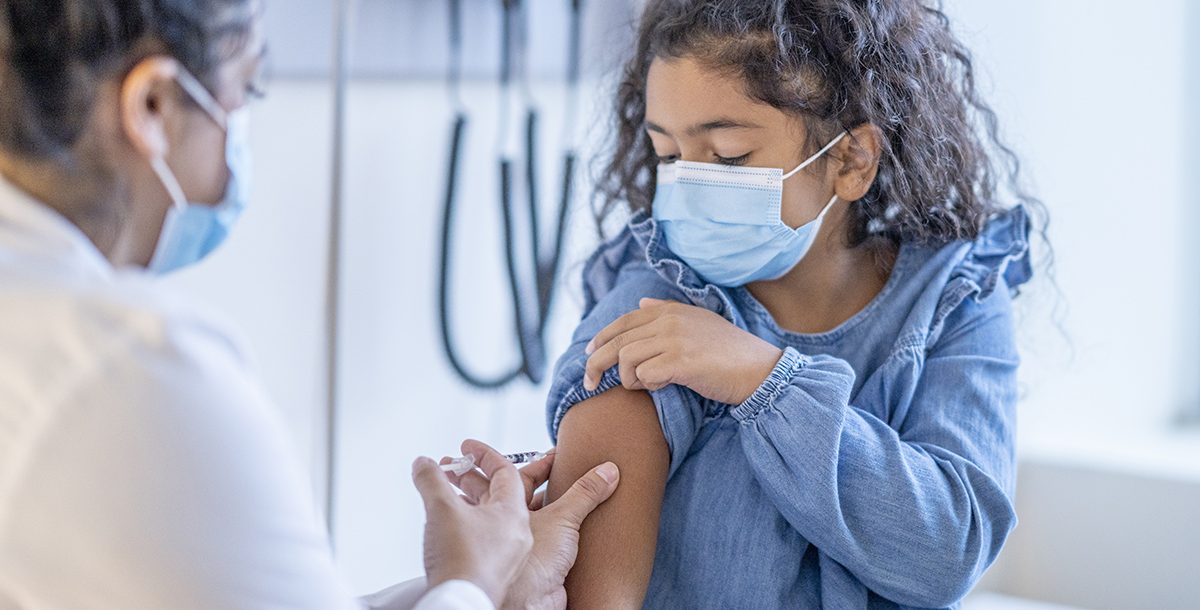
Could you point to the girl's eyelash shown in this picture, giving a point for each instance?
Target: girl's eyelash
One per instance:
(733, 160)
(668, 159)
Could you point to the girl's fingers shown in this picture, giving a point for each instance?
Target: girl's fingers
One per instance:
(609, 354)
(649, 302)
(656, 372)
(619, 326)
(633, 355)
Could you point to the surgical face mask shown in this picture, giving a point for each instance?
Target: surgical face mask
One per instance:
(191, 231)
(725, 222)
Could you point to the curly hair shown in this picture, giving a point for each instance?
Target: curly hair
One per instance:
(837, 64)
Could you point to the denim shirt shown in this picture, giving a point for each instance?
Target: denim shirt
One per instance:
(874, 468)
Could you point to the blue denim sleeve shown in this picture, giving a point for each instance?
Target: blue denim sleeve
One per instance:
(917, 509)
(609, 294)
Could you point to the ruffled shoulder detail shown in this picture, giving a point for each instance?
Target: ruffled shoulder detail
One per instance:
(1000, 251)
(641, 243)
(668, 266)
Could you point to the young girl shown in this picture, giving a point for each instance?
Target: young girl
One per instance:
(800, 350)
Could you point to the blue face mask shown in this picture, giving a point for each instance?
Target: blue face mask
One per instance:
(191, 231)
(725, 221)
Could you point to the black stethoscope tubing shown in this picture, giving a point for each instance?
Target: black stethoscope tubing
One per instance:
(530, 333)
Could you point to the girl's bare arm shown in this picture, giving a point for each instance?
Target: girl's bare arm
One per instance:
(618, 541)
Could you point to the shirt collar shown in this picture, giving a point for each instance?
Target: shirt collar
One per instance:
(37, 230)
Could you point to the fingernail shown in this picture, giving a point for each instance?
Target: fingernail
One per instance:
(608, 472)
(587, 383)
(591, 347)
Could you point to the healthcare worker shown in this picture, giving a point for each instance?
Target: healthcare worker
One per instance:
(140, 465)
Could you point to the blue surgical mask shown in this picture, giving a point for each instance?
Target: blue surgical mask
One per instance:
(192, 231)
(725, 222)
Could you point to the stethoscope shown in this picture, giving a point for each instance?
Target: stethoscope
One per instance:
(530, 314)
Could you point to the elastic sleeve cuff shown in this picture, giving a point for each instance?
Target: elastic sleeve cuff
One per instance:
(780, 378)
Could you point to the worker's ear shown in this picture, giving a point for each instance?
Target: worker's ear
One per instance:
(148, 96)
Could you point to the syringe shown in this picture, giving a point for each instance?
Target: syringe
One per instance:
(462, 465)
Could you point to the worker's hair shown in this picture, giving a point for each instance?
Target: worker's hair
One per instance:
(54, 55)
(837, 64)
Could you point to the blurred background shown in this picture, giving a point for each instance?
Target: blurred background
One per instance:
(1099, 98)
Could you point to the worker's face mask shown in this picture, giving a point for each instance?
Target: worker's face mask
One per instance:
(725, 222)
(191, 231)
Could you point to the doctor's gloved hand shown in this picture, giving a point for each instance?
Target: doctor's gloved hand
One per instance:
(484, 538)
(539, 584)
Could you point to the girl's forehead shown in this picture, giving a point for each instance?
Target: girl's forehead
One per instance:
(685, 93)
(686, 73)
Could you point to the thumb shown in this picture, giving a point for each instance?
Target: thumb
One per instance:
(431, 483)
(589, 492)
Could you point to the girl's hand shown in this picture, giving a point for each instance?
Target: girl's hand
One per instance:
(665, 343)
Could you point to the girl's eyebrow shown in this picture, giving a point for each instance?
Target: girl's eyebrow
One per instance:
(714, 125)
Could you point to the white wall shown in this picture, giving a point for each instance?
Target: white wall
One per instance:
(1092, 94)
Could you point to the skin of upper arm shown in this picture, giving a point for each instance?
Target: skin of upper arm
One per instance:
(618, 540)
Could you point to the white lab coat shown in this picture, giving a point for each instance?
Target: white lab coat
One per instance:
(141, 465)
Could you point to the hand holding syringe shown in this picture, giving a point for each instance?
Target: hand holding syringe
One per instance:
(462, 465)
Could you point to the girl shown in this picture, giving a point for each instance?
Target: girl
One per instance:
(800, 349)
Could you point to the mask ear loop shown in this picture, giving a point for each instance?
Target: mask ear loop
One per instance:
(813, 158)
(198, 92)
(808, 162)
(167, 177)
(827, 207)
(192, 86)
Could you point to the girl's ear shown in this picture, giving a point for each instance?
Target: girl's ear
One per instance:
(859, 153)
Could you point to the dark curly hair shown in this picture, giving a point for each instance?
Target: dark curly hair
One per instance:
(55, 53)
(838, 64)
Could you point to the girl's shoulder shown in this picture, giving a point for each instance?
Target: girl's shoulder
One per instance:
(1001, 252)
(637, 260)
(970, 278)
